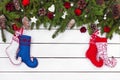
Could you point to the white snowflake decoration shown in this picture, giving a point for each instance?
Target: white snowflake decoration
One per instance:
(64, 15)
(33, 19)
(97, 22)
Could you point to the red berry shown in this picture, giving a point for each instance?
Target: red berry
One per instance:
(83, 30)
(107, 29)
(15, 27)
(25, 2)
(50, 15)
(67, 5)
(78, 12)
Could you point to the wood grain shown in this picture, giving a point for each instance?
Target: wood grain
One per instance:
(62, 58)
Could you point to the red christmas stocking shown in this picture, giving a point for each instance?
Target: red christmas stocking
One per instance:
(92, 52)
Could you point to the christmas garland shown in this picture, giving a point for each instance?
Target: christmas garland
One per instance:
(61, 14)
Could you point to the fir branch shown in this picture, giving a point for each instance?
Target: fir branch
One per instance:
(93, 11)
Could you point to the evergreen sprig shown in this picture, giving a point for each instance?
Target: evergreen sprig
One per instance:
(93, 11)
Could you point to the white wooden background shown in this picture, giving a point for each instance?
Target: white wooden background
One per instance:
(62, 58)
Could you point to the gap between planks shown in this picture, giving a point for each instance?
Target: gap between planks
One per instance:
(62, 57)
(60, 72)
(68, 43)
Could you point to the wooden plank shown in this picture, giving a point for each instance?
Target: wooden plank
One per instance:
(62, 50)
(57, 65)
(59, 76)
(69, 36)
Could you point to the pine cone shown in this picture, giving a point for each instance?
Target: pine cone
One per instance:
(116, 11)
(100, 2)
(81, 4)
(16, 4)
(2, 21)
(93, 27)
(26, 23)
(42, 12)
(71, 23)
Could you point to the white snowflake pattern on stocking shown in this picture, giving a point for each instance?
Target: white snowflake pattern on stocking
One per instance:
(102, 53)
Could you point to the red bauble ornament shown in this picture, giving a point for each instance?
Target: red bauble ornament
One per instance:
(83, 30)
(107, 29)
(78, 12)
(67, 5)
(50, 15)
(15, 27)
(25, 2)
(10, 6)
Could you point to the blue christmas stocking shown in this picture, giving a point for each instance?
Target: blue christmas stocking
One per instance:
(24, 52)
